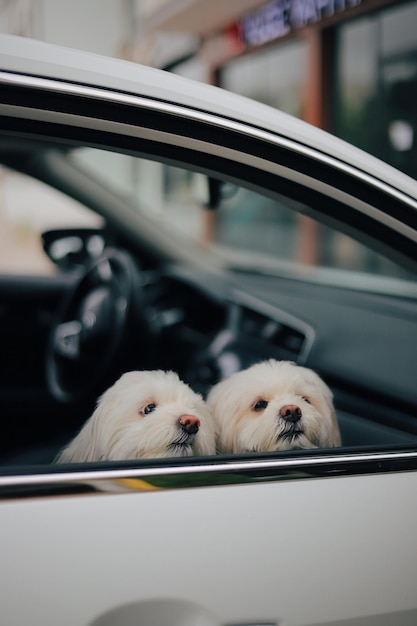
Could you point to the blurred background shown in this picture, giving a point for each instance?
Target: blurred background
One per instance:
(347, 66)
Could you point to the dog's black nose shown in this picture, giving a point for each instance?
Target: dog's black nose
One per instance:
(189, 423)
(290, 413)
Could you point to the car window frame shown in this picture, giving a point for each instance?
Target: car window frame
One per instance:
(243, 154)
(247, 155)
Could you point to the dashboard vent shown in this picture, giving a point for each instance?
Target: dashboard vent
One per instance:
(290, 341)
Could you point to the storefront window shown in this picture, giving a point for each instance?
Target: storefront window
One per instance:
(398, 29)
(275, 77)
(356, 72)
(376, 85)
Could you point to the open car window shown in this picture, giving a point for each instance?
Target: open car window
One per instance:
(247, 229)
(288, 288)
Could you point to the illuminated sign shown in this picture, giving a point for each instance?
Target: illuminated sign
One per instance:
(280, 17)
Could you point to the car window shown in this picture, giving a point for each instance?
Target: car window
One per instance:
(246, 229)
(285, 301)
(28, 208)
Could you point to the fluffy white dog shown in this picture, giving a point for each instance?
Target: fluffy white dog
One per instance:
(273, 405)
(145, 414)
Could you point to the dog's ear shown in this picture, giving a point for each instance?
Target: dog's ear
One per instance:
(84, 447)
(332, 437)
(221, 401)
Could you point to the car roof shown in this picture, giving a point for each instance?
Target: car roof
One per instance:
(36, 58)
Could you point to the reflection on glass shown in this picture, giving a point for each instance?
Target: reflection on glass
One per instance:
(275, 77)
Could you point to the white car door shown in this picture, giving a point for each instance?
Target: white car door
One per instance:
(280, 541)
(297, 539)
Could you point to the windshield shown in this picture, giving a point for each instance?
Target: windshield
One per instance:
(250, 231)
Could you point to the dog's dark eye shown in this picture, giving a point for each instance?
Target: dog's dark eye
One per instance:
(260, 405)
(306, 399)
(149, 408)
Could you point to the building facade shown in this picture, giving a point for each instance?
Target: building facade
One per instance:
(347, 66)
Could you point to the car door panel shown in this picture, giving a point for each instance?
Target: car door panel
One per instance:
(304, 551)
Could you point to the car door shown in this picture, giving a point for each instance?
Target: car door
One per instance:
(321, 537)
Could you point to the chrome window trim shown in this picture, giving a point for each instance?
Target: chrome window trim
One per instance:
(213, 474)
(224, 152)
(104, 93)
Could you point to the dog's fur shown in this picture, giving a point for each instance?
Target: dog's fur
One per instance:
(273, 405)
(145, 414)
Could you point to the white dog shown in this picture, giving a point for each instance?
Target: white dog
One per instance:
(273, 405)
(145, 414)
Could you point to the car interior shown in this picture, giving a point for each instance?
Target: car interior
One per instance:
(235, 295)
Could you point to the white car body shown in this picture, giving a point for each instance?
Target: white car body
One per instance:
(295, 541)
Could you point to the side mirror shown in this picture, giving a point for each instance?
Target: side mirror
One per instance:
(73, 248)
(209, 192)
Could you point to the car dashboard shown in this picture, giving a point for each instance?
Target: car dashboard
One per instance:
(211, 325)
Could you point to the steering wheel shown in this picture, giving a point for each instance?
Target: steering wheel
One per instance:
(102, 320)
